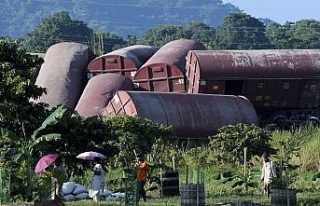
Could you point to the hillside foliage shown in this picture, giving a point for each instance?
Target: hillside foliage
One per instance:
(122, 17)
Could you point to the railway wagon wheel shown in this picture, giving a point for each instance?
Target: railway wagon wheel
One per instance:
(314, 120)
(281, 121)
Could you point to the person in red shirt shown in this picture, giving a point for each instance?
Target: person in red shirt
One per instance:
(141, 167)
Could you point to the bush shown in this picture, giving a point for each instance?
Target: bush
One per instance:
(232, 139)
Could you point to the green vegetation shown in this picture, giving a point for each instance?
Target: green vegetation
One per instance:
(28, 131)
(121, 17)
(237, 31)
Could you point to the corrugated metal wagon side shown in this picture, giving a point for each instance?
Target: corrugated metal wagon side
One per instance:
(191, 115)
(268, 78)
(165, 70)
(99, 91)
(125, 61)
(283, 85)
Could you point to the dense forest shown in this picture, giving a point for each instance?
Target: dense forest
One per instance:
(122, 17)
(104, 26)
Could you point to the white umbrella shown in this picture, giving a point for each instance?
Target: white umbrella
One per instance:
(90, 155)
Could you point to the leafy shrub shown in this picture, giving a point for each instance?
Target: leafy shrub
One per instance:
(232, 139)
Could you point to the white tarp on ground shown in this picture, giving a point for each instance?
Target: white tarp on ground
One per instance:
(73, 191)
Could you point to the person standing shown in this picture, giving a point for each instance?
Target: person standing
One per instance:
(267, 174)
(97, 183)
(59, 176)
(141, 167)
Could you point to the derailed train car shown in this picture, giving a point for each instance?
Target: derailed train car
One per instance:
(283, 85)
(165, 70)
(125, 61)
(99, 91)
(63, 73)
(191, 115)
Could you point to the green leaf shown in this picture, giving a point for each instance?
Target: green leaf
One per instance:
(10, 152)
(7, 133)
(236, 184)
(228, 174)
(217, 176)
(229, 179)
(20, 157)
(52, 119)
(47, 138)
(253, 184)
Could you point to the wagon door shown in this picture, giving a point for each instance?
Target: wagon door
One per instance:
(257, 91)
(309, 94)
(234, 87)
(285, 93)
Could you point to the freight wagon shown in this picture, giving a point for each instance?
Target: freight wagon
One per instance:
(99, 91)
(190, 115)
(165, 70)
(283, 85)
(63, 74)
(125, 61)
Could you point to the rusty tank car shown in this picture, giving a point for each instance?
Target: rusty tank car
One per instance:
(165, 70)
(63, 73)
(283, 85)
(99, 91)
(191, 115)
(125, 61)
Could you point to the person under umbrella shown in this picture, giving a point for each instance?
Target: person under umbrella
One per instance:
(59, 176)
(97, 183)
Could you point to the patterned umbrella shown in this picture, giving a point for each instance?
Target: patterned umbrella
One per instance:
(90, 155)
(45, 162)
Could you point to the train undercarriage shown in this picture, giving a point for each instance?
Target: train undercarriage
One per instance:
(289, 118)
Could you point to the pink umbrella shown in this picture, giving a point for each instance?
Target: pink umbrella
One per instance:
(45, 162)
(90, 155)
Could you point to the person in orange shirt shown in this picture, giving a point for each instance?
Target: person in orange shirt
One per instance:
(142, 173)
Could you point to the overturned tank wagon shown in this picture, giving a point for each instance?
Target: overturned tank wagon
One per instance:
(283, 85)
(125, 61)
(191, 115)
(99, 91)
(63, 74)
(165, 70)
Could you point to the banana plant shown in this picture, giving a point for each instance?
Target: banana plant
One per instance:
(239, 181)
(16, 153)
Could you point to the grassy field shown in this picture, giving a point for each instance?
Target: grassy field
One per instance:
(304, 199)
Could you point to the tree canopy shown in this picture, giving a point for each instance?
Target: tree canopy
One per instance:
(241, 31)
(158, 36)
(17, 68)
(303, 34)
(56, 28)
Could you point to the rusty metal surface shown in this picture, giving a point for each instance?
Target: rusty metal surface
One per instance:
(62, 73)
(191, 115)
(256, 63)
(269, 78)
(125, 60)
(174, 53)
(165, 70)
(160, 77)
(98, 92)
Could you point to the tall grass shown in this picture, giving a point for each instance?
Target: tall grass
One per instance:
(309, 155)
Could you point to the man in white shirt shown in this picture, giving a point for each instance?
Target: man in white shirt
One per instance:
(268, 173)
